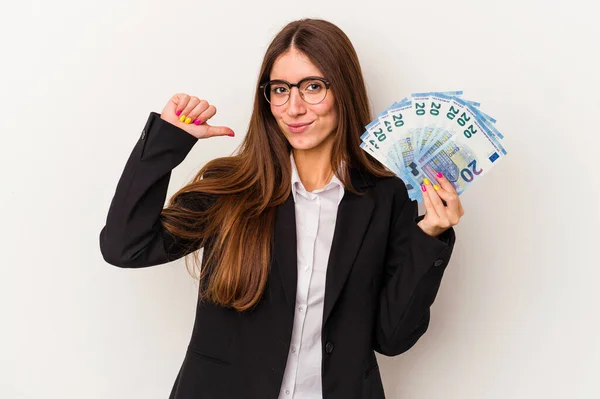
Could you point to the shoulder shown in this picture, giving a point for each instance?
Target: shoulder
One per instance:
(361, 178)
(393, 186)
(389, 193)
(380, 187)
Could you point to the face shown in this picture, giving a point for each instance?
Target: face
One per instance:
(321, 119)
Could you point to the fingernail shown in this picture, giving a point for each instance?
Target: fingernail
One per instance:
(188, 120)
(231, 134)
(439, 174)
(436, 187)
(423, 188)
(178, 113)
(426, 181)
(197, 122)
(182, 118)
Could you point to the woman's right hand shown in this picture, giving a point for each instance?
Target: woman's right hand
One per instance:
(191, 114)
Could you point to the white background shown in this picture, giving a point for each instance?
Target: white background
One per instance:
(517, 314)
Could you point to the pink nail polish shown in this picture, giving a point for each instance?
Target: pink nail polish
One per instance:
(439, 174)
(423, 188)
(178, 113)
(197, 122)
(231, 134)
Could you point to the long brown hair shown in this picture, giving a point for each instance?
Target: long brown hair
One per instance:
(248, 186)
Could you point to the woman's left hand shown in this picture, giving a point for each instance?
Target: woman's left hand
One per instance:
(439, 217)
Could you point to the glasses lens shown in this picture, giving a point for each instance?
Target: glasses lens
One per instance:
(277, 93)
(313, 91)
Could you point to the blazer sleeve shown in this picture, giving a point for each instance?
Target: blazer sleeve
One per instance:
(414, 265)
(133, 235)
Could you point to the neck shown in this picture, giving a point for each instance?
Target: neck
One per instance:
(314, 167)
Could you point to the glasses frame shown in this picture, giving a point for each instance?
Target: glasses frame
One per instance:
(291, 85)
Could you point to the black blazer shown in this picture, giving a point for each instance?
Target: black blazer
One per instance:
(383, 275)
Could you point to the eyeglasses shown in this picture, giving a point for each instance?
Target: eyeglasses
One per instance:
(312, 89)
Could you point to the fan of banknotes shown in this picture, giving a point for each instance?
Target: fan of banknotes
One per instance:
(436, 131)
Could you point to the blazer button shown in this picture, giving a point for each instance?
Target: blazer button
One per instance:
(438, 263)
(329, 347)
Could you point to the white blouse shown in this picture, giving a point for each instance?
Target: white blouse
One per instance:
(316, 213)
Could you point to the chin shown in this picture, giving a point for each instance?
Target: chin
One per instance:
(303, 143)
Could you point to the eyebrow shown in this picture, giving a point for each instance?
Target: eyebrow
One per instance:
(307, 77)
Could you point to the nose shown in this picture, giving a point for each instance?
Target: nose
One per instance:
(295, 102)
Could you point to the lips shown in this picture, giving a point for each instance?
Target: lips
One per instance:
(298, 128)
(296, 125)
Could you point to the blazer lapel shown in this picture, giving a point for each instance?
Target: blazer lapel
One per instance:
(285, 248)
(353, 216)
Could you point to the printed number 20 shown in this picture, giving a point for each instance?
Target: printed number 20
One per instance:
(379, 134)
(469, 175)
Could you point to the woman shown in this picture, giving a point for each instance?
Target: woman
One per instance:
(314, 257)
